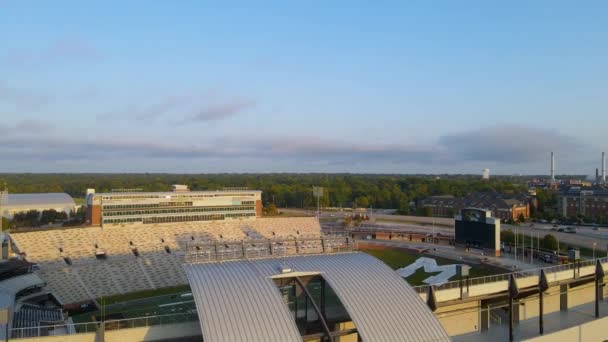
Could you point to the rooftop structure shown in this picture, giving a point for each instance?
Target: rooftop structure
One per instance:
(16, 203)
(246, 300)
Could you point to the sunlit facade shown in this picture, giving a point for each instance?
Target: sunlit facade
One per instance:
(176, 206)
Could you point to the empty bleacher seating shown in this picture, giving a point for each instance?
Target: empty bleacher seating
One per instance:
(160, 252)
(29, 317)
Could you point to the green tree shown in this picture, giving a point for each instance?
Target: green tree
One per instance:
(549, 242)
(362, 202)
(6, 224)
(271, 210)
(507, 236)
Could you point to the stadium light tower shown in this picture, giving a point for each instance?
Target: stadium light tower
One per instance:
(3, 199)
(317, 192)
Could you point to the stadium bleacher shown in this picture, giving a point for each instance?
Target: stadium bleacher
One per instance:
(85, 263)
(29, 317)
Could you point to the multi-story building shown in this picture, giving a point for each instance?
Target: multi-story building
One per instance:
(589, 203)
(179, 205)
(503, 207)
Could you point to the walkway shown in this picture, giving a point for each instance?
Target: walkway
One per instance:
(529, 328)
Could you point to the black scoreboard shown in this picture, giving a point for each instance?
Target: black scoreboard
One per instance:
(475, 228)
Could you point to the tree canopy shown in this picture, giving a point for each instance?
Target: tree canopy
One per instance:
(281, 189)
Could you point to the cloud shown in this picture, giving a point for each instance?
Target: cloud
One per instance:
(184, 109)
(508, 144)
(512, 145)
(222, 110)
(60, 50)
(26, 127)
(23, 97)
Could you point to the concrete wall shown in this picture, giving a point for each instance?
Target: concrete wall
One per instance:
(592, 331)
(89, 337)
(581, 295)
(152, 333)
(460, 318)
(551, 303)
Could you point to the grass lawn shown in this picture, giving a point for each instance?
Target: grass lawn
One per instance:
(394, 258)
(141, 304)
(143, 294)
(399, 257)
(418, 276)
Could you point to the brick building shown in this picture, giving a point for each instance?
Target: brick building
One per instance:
(502, 206)
(591, 203)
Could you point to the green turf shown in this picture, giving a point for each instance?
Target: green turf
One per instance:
(141, 304)
(143, 294)
(395, 258)
(418, 276)
(398, 258)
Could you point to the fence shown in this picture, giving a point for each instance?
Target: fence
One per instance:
(266, 248)
(519, 274)
(57, 329)
(91, 327)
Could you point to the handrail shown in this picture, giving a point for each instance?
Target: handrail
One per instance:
(505, 276)
(88, 327)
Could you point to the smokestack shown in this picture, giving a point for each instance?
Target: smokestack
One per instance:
(552, 168)
(597, 176)
(604, 167)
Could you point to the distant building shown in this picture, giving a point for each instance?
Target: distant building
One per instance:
(485, 174)
(18, 203)
(504, 207)
(179, 205)
(591, 203)
(476, 228)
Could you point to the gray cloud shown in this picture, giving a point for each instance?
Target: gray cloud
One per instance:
(60, 50)
(23, 97)
(508, 144)
(183, 109)
(222, 110)
(502, 145)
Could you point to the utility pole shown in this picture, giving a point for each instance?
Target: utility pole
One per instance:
(515, 244)
(433, 230)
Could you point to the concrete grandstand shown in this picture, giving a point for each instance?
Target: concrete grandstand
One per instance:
(83, 264)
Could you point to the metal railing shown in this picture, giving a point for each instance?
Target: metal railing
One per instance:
(56, 329)
(159, 320)
(252, 249)
(519, 274)
(93, 327)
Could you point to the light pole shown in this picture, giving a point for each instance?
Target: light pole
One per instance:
(433, 230)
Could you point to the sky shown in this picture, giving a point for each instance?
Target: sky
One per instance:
(303, 86)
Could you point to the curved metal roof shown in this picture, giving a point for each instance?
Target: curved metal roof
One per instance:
(238, 300)
(41, 200)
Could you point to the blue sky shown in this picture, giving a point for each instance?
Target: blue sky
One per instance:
(321, 86)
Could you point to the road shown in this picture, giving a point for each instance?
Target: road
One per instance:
(585, 236)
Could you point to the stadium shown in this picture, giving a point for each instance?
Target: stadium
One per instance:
(167, 273)
(224, 275)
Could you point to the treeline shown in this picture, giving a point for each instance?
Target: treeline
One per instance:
(35, 218)
(283, 190)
